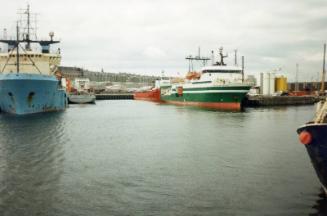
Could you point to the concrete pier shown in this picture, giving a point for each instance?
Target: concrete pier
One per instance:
(114, 97)
(263, 100)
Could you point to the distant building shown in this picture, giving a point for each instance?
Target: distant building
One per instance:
(305, 86)
(76, 72)
(71, 72)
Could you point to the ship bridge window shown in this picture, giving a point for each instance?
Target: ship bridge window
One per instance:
(221, 71)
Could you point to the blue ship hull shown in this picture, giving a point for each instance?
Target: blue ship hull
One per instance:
(317, 149)
(30, 93)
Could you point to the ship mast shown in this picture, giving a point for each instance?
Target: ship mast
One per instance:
(242, 69)
(28, 45)
(222, 56)
(190, 58)
(17, 48)
(12, 43)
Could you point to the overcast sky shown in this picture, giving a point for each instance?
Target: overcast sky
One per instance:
(148, 36)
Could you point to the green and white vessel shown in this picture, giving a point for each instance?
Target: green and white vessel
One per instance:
(217, 86)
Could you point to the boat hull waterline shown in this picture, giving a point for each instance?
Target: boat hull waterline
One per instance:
(221, 98)
(81, 99)
(151, 95)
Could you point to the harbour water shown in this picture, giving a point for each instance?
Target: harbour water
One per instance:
(142, 158)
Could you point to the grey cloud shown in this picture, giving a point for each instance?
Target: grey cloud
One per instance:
(147, 36)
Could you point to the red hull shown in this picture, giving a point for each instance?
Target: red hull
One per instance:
(219, 106)
(151, 95)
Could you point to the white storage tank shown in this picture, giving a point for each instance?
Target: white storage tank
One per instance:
(267, 83)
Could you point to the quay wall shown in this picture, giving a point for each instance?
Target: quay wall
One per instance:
(114, 97)
(264, 100)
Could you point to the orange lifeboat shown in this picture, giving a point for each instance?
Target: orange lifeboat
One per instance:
(193, 75)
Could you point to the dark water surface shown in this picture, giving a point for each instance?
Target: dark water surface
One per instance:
(140, 158)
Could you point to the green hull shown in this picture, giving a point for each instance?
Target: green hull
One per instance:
(229, 97)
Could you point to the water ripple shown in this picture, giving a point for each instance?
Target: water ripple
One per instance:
(140, 158)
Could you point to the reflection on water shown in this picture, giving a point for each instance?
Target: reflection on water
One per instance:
(141, 158)
(320, 205)
(31, 154)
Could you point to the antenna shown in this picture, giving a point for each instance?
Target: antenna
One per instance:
(222, 56)
(196, 58)
(27, 12)
(236, 57)
(51, 34)
(5, 34)
(242, 69)
(322, 89)
(28, 26)
(35, 25)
